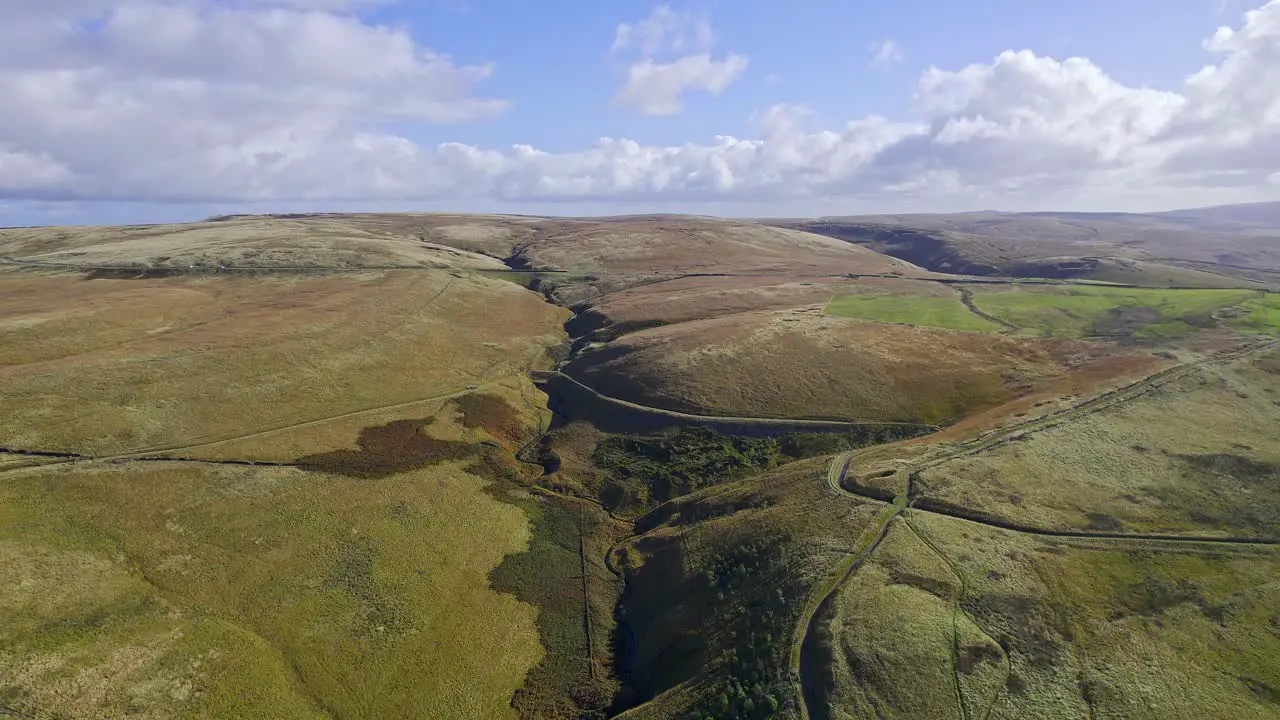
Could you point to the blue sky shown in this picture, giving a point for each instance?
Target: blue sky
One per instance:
(157, 110)
(553, 62)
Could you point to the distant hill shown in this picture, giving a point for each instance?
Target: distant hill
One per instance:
(1237, 244)
(1266, 214)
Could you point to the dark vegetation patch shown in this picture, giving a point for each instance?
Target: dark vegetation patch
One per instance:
(140, 273)
(493, 414)
(1234, 467)
(1125, 320)
(386, 450)
(1103, 522)
(650, 470)
(403, 445)
(494, 465)
(701, 510)
(678, 463)
(1153, 596)
(660, 635)
(572, 681)
(758, 599)
(1030, 627)
(971, 656)
(931, 585)
(723, 617)
(617, 330)
(1227, 491)
(98, 620)
(1262, 690)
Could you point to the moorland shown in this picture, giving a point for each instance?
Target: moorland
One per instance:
(427, 465)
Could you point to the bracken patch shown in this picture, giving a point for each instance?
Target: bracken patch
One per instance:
(386, 450)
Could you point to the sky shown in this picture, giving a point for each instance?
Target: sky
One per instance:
(137, 111)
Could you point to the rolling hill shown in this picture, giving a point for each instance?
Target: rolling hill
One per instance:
(1235, 245)
(456, 466)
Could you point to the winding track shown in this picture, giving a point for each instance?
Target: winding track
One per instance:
(911, 501)
(838, 469)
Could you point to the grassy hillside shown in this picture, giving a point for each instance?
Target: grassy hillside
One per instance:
(364, 578)
(190, 590)
(105, 366)
(1194, 455)
(949, 619)
(327, 481)
(811, 365)
(640, 246)
(318, 240)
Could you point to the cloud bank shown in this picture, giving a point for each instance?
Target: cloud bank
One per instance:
(273, 100)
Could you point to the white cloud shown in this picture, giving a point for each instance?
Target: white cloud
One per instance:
(185, 102)
(671, 55)
(886, 52)
(665, 31)
(654, 88)
(131, 98)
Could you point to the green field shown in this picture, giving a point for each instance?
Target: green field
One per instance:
(1079, 311)
(942, 312)
(1259, 315)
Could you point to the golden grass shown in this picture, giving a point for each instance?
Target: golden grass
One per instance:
(1115, 630)
(207, 591)
(254, 354)
(1190, 457)
(893, 621)
(695, 298)
(690, 245)
(165, 589)
(329, 241)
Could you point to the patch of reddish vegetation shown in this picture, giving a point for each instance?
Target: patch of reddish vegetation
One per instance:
(494, 415)
(1091, 378)
(386, 450)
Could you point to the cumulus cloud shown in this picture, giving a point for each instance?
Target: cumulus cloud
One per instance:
(181, 101)
(671, 55)
(655, 88)
(130, 98)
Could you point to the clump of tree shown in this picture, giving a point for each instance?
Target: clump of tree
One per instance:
(759, 598)
(657, 468)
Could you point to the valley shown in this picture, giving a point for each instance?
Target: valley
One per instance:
(438, 466)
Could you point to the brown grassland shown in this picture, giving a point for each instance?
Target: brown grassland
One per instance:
(110, 366)
(823, 367)
(697, 298)
(356, 584)
(692, 245)
(333, 491)
(326, 241)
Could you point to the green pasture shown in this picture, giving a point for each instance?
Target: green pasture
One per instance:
(942, 312)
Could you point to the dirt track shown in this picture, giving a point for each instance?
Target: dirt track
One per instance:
(911, 501)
